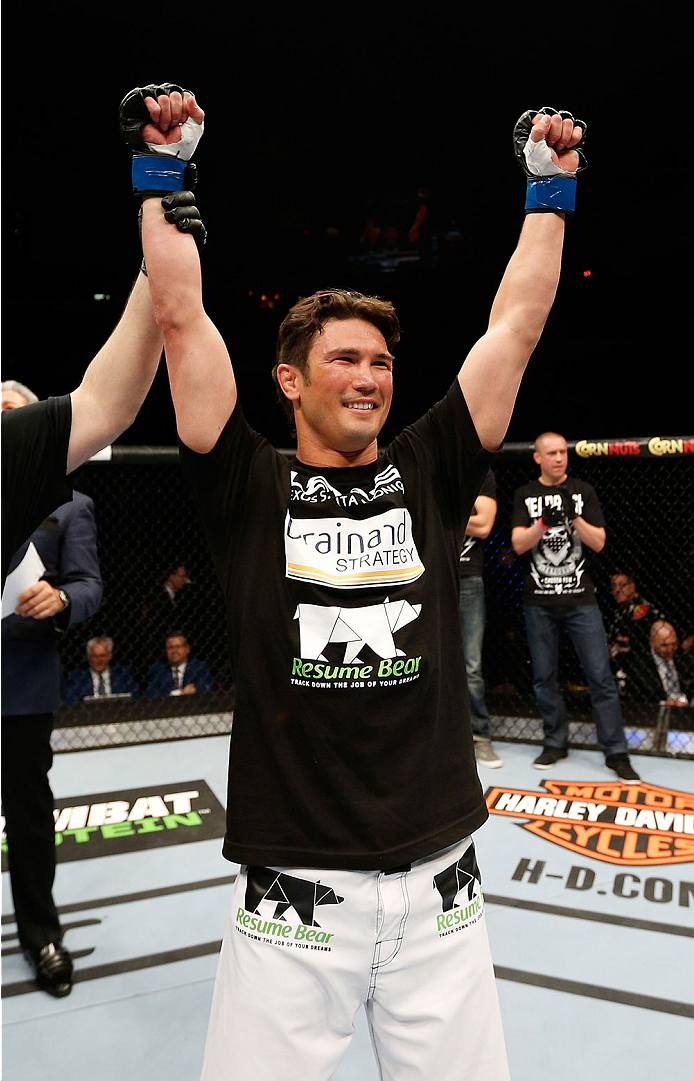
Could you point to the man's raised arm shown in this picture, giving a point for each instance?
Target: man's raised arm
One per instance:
(492, 371)
(119, 377)
(116, 382)
(165, 127)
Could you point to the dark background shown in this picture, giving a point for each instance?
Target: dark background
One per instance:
(318, 113)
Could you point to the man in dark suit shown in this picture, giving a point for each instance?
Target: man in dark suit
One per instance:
(68, 591)
(180, 673)
(166, 607)
(101, 678)
(655, 674)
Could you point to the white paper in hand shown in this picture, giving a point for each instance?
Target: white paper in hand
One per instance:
(24, 575)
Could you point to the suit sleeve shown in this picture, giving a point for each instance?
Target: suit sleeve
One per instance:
(203, 678)
(159, 681)
(78, 571)
(75, 688)
(129, 682)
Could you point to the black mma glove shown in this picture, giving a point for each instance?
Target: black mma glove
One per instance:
(551, 516)
(549, 187)
(557, 516)
(567, 503)
(163, 169)
(158, 168)
(180, 210)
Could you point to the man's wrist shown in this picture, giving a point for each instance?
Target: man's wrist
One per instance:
(547, 193)
(152, 175)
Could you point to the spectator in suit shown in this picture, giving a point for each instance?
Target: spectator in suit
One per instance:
(68, 592)
(657, 675)
(163, 609)
(101, 678)
(180, 673)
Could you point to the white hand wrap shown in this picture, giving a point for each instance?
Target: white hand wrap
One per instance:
(538, 159)
(191, 134)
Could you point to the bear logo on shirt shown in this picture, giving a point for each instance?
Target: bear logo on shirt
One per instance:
(373, 625)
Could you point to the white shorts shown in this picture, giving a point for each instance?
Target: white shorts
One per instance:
(305, 948)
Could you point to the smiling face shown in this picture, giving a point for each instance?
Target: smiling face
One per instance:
(177, 649)
(342, 402)
(99, 657)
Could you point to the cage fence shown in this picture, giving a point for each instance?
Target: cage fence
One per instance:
(148, 528)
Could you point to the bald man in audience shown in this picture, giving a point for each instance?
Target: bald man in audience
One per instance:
(661, 673)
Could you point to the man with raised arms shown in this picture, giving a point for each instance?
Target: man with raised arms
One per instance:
(353, 790)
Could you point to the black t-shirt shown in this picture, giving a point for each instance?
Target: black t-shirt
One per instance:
(557, 568)
(472, 552)
(351, 742)
(35, 442)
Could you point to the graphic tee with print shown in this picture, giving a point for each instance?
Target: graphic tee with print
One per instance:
(351, 744)
(472, 553)
(557, 568)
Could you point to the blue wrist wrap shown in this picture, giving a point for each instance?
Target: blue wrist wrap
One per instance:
(551, 193)
(157, 175)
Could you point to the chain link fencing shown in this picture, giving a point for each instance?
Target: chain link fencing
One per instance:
(148, 532)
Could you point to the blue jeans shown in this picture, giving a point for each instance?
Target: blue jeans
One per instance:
(584, 625)
(472, 621)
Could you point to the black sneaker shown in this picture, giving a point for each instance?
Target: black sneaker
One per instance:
(549, 756)
(620, 764)
(53, 969)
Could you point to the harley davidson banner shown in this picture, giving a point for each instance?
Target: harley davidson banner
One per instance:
(641, 824)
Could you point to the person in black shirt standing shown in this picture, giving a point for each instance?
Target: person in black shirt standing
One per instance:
(68, 591)
(44, 441)
(472, 616)
(556, 523)
(352, 787)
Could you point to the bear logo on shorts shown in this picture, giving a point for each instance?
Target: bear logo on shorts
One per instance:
(264, 884)
(459, 876)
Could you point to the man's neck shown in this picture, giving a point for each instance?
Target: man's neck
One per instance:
(550, 482)
(309, 452)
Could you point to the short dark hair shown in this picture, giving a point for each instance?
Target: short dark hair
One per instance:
(310, 314)
(171, 568)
